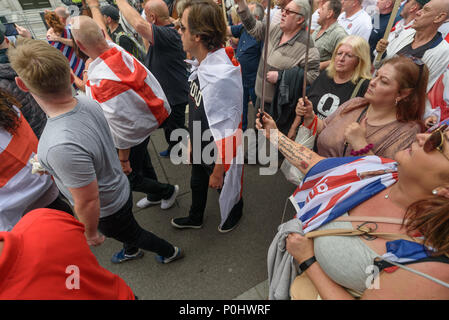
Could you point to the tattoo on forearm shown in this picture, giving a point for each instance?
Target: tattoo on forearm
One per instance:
(297, 154)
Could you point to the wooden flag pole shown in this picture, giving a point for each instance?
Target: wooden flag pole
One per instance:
(265, 55)
(388, 29)
(306, 64)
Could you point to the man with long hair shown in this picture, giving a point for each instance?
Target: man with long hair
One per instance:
(215, 106)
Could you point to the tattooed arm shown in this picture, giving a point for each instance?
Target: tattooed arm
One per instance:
(298, 155)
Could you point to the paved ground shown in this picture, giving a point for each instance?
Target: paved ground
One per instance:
(216, 266)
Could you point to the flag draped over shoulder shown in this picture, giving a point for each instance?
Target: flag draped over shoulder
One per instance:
(222, 91)
(131, 98)
(18, 187)
(336, 185)
(439, 95)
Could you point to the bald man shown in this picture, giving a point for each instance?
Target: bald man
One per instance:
(423, 40)
(63, 14)
(134, 105)
(165, 59)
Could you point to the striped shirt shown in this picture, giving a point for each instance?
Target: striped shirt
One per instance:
(76, 64)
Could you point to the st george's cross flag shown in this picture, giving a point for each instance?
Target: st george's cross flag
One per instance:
(132, 100)
(19, 189)
(222, 92)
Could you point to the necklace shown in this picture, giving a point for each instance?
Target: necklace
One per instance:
(387, 195)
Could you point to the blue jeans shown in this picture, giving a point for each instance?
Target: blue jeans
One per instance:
(248, 93)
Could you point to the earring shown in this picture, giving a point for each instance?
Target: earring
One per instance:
(434, 192)
(396, 101)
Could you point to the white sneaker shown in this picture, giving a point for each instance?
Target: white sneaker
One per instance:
(144, 202)
(166, 204)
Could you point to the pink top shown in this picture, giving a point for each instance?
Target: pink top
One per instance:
(387, 139)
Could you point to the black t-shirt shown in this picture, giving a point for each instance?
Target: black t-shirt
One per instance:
(419, 52)
(123, 41)
(165, 60)
(198, 124)
(326, 95)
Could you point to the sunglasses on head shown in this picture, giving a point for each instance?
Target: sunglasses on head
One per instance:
(436, 140)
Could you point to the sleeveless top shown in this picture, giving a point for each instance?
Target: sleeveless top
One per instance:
(351, 268)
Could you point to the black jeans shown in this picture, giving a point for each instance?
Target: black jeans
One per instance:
(143, 177)
(176, 120)
(122, 226)
(61, 204)
(199, 184)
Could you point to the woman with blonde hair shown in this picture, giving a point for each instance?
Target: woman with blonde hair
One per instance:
(384, 121)
(346, 77)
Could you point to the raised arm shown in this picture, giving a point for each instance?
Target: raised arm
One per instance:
(298, 155)
(97, 16)
(254, 27)
(143, 27)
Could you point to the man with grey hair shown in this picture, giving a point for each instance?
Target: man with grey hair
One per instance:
(286, 46)
(354, 19)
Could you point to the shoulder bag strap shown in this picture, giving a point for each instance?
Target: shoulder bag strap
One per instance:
(370, 219)
(357, 88)
(361, 231)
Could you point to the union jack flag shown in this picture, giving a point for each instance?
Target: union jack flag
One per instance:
(336, 185)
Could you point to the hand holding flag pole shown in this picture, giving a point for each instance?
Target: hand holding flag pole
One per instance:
(387, 31)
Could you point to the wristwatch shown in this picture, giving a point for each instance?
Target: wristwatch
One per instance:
(306, 264)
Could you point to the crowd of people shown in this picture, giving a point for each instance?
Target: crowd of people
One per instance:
(77, 112)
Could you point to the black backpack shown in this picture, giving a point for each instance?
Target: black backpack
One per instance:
(138, 50)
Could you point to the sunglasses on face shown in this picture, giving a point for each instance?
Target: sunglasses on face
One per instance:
(436, 140)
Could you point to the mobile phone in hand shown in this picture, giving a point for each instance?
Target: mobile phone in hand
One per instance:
(10, 29)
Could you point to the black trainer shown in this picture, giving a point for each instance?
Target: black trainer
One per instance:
(233, 218)
(186, 223)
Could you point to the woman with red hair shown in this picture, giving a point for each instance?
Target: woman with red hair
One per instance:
(383, 122)
(60, 37)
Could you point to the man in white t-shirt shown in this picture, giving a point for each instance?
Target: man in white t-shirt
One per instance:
(408, 14)
(354, 19)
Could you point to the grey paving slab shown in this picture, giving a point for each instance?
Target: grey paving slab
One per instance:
(215, 266)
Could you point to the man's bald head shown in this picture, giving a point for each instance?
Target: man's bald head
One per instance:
(62, 12)
(433, 14)
(442, 6)
(87, 32)
(158, 8)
